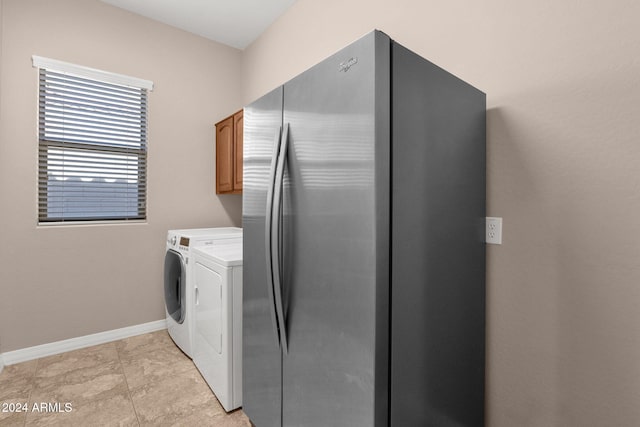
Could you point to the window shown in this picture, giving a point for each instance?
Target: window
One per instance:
(92, 161)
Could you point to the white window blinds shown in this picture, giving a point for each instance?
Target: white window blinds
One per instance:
(92, 145)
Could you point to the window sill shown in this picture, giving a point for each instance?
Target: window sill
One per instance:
(76, 224)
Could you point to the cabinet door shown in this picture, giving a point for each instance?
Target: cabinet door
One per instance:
(238, 124)
(224, 156)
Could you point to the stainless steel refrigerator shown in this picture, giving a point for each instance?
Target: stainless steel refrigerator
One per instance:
(364, 254)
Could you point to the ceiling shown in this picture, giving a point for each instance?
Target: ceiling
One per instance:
(235, 23)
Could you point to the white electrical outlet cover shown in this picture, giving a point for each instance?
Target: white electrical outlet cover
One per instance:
(494, 230)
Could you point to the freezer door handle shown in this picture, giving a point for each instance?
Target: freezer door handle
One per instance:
(268, 233)
(276, 220)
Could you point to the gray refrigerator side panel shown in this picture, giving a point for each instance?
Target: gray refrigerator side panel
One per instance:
(330, 248)
(438, 251)
(382, 231)
(261, 356)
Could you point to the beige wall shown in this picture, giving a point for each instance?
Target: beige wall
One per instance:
(63, 282)
(563, 97)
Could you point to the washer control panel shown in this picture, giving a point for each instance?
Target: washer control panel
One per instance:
(184, 243)
(181, 241)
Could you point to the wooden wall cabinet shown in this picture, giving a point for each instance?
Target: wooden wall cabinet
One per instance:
(229, 154)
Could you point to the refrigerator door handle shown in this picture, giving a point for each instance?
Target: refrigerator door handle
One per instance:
(276, 219)
(268, 234)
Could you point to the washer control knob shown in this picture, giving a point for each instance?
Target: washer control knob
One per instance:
(173, 240)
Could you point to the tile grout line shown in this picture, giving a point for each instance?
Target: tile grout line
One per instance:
(135, 411)
(33, 386)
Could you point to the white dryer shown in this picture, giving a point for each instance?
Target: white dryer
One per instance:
(178, 278)
(218, 320)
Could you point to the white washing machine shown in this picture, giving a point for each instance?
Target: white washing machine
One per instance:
(218, 320)
(178, 278)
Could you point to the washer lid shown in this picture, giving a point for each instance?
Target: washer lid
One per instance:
(227, 255)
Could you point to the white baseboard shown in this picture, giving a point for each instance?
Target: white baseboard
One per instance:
(38, 351)
(1, 363)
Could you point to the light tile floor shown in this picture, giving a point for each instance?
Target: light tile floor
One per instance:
(139, 381)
